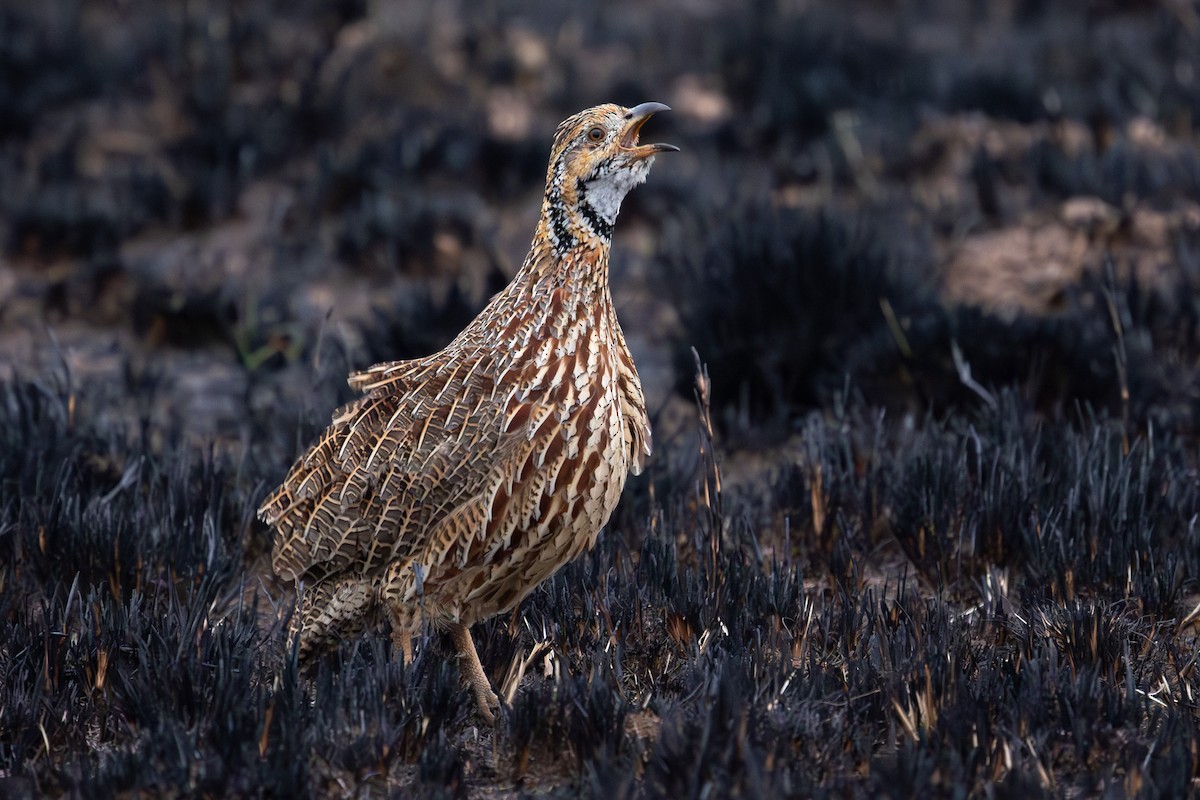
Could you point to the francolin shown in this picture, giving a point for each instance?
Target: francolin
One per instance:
(460, 481)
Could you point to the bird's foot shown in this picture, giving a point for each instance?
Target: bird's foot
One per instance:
(472, 670)
(488, 702)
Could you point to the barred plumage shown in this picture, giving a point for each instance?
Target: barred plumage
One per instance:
(460, 481)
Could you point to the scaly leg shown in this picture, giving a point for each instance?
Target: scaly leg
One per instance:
(402, 637)
(401, 632)
(473, 671)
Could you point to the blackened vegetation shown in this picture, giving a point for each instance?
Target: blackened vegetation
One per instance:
(781, 302)
(1061, 653)
(1035, 649)
(971, 570)
(128, 648)
(1039, 644)
(790, 75)
(796, 308)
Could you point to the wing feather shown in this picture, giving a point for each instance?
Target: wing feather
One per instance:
(377, 487)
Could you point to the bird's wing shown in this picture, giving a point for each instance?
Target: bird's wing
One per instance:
(415, 460)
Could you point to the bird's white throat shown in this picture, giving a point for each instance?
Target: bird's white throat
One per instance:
(605, 193)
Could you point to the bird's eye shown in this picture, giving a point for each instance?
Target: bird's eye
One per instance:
(596, 134)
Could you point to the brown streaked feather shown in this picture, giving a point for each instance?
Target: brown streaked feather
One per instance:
(457, 482)
(385, 489)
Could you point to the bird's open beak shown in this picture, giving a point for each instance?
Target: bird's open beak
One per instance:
(635, 118)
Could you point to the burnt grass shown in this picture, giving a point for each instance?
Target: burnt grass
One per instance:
(894, 541)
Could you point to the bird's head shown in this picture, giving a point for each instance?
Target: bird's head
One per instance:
(595, 161)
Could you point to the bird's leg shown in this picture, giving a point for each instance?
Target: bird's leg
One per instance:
(402, 637)
(473, 671)
(402, 633)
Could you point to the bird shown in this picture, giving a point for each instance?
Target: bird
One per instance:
(455, 484)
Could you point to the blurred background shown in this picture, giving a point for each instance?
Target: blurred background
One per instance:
(213, 198)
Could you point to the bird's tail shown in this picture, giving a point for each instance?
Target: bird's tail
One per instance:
(332, 611)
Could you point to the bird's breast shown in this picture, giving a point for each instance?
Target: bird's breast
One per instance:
(566, 403)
